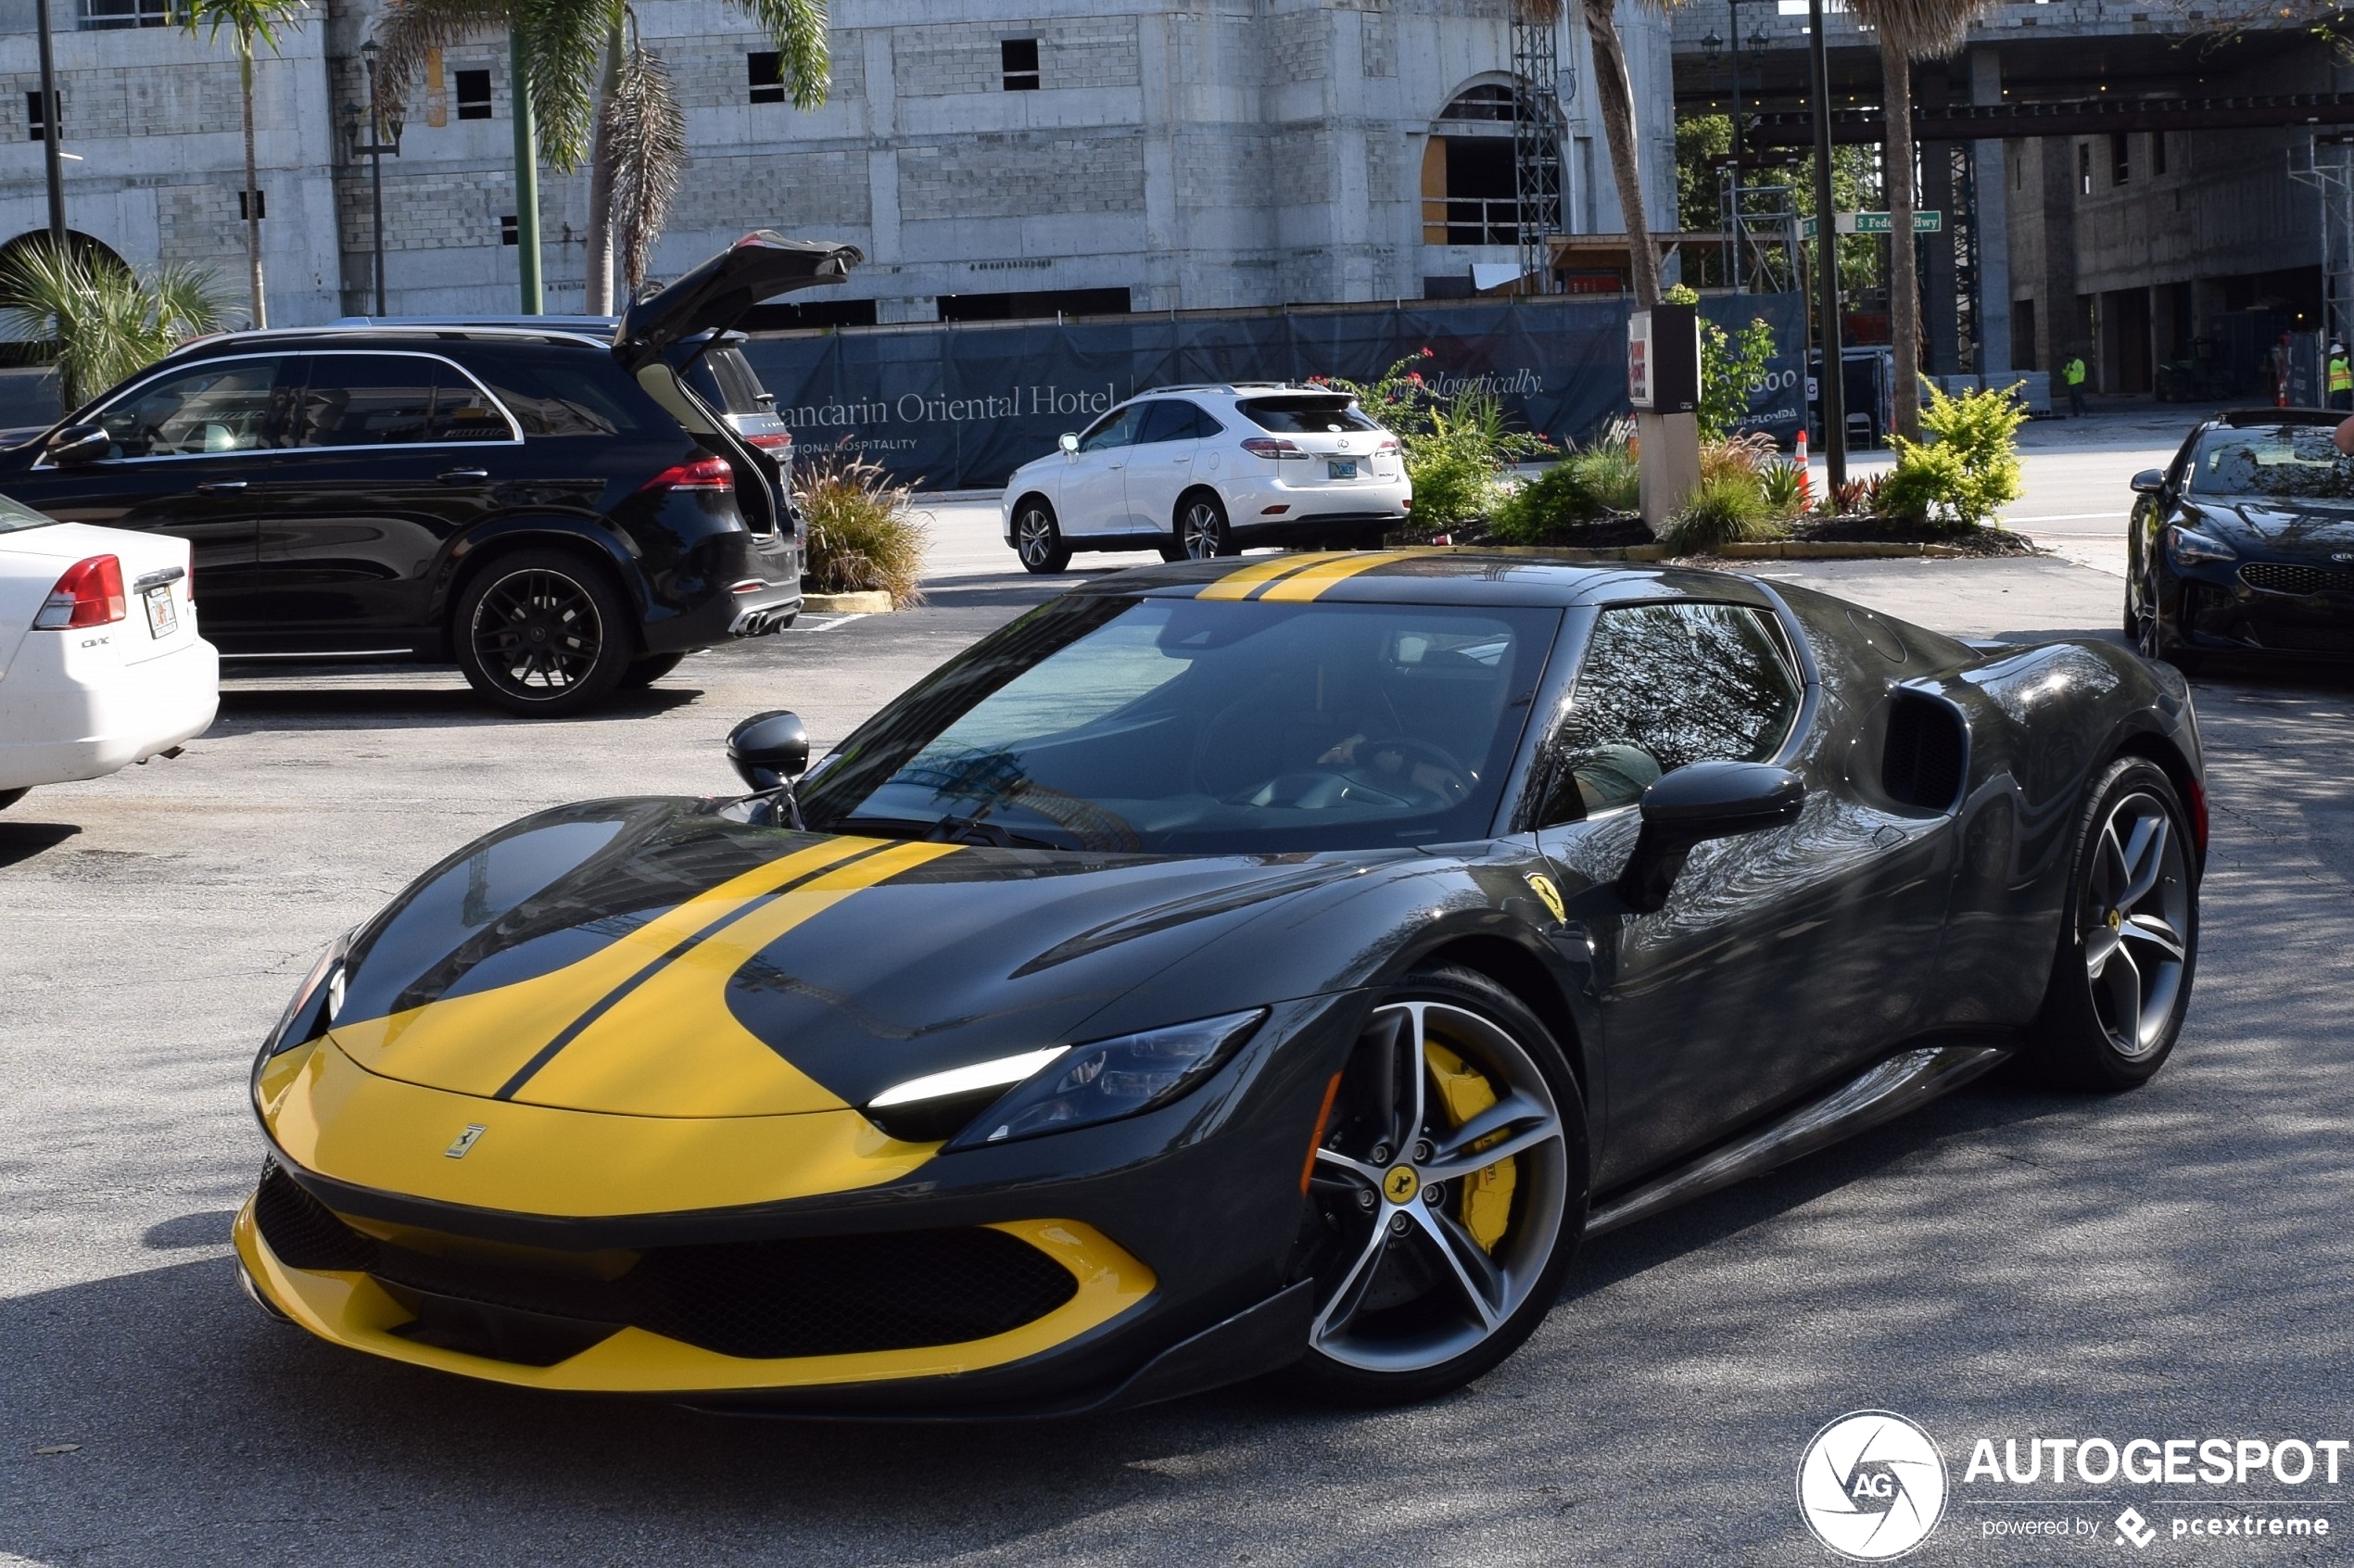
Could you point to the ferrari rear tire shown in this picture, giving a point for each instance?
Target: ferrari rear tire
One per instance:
(2129, 937)
(1447, 1196)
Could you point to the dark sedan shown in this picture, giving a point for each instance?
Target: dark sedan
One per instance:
(1230, 965)
(2245, 543)
(555, 510)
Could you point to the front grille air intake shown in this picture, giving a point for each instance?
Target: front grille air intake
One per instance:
(815, 1296)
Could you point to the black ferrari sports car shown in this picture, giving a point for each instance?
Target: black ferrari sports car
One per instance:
(1234, 965)
(2245, 543)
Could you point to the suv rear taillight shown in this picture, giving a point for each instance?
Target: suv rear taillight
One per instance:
(704, 473)
(780, 441)
(1269, 447)
(1387, 447)
(90, 594)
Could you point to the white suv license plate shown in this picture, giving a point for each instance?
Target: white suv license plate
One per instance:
(1342, 468)
(163, 616)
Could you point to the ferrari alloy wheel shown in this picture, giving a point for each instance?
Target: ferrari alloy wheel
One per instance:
(1038, 540)
(1447, 1194)
(2122, 977)
(1202, 534)
(542, 633)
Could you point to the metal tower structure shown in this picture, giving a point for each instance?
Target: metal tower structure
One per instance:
(1760, 225)
(1537, 141)
(2329, 169)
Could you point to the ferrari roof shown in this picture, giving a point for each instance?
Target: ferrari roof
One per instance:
(1428, 576)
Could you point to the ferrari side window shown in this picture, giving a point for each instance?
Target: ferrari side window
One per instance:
(1661, 685)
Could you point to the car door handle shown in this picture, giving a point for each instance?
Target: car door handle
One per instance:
(462, 475)
(219, 486)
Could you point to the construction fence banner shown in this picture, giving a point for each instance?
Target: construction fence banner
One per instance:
(961, 407)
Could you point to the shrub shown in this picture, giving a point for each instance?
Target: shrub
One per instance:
(1784, 487)
(107, 322)
(863, 532)
(1455, 446)
(1612, 473)
(1557, 499)
(1728, 509)
(1969, 467)
(1744, 457)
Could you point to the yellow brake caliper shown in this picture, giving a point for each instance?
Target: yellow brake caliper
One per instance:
(1486, 1205)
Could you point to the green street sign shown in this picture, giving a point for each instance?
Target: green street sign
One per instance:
(1875, 223)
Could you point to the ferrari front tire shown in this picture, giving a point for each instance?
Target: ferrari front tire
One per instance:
(2129, 937)
(1447, 1194)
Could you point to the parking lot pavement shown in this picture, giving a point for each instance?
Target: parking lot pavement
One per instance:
(2006, 1263)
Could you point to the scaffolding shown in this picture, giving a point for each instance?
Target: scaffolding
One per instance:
(1537, 141)
(1759, 226)
(2329, 169)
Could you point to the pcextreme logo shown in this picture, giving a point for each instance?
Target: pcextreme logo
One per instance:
(1872, 1486)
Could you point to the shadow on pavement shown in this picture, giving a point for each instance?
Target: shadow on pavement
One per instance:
(20, 841)
(322, 707)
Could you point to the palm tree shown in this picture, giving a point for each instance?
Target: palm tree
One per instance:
(109, 323)
(1928, 29)
(248, 21)
(1616, 91)
(600, 94)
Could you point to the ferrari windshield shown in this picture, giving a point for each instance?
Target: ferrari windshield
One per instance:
(2274, 463)
(1184, 726)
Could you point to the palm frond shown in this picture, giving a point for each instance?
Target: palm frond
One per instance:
(798, 29)
(563, 43)
(247, 19)
(107, 322)
(1922, 29)
(646, 131)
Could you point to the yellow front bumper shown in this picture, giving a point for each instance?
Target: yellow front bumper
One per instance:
(351, 1309)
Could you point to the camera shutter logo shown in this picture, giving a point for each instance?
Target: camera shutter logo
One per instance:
(1872, 1486)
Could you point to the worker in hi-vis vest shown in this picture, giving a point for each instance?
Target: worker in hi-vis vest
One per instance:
(2341, 377)
(2073, 374)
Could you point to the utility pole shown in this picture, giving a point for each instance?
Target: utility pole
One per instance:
(52, 149)
(527, 178)
(1833, 380)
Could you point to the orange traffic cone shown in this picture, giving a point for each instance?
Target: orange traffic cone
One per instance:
(1805, 475)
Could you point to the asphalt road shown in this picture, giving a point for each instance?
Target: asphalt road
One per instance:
(2009, 1263)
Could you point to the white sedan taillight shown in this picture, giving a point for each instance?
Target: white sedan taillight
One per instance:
(90, 594)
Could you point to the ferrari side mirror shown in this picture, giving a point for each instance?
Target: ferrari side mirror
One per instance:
(769, 750)
(1069, 443)
(2149, 481)
(78, 444)
(1695, 804)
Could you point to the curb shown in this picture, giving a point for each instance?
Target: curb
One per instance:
(873, 601)
(1834, 549)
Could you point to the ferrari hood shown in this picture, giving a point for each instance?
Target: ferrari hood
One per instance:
(657, 958)
(2320, 528)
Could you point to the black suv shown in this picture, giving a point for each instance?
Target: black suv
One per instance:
(557, 511)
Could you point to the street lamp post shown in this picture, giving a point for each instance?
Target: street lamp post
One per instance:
(370, 137)
(1834, 380)
(52, 149)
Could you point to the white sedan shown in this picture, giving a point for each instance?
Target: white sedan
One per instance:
(100, 663)
(1203, 470)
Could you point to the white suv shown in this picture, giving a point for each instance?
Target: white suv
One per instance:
(1203, 470)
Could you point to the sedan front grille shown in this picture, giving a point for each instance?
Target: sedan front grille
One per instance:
(816, 1295)
(2281, 577)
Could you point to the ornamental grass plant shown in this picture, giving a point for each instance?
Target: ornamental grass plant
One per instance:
(863, 531)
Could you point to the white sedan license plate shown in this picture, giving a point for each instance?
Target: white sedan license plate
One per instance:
(163, 616)
(1342, 468)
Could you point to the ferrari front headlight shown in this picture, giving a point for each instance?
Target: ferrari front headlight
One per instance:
(314, 1004)
(1110, 1078)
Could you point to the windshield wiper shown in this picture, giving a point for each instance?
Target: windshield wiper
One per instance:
(950, 830)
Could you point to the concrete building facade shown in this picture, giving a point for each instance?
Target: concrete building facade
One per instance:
(990, 156)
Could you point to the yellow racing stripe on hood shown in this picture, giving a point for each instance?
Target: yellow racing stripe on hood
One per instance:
(1245, 581)
(475, 1044)
(1312, 583)
(672, 1047)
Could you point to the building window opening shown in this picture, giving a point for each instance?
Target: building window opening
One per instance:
(1033, 305)
(764, 76)
(2084, 168)
(105, 16)
(1469, 194)
(2158, 152)
(1019, 57)
(473, 94)
(36, 123)
(260, 206)
(2120, 161)
(510, 232)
